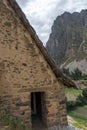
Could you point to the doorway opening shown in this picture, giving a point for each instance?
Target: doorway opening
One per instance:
(37, 109)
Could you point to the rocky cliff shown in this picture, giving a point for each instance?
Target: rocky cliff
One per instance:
(68, 40)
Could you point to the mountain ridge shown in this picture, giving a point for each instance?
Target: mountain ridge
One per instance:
(68, 38)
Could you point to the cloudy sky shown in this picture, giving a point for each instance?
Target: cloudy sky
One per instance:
(42, 13)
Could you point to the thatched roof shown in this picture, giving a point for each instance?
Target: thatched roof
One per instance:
(65, 80)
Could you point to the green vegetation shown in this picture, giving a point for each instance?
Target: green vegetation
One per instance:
(73, 91)
(77, 109)
(72, 94)
(80, 117)
(76, 75)
(13, 123)
(81, 100)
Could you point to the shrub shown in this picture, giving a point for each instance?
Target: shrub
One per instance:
(84, 93)
(71, 105)
(81, 100)
(76, 75)
(66, 71)
(84, 77)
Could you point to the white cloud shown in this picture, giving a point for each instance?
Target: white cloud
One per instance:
(41, 13)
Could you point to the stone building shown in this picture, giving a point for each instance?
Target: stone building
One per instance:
(30, 83)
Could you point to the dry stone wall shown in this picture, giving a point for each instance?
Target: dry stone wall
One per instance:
(23, 70)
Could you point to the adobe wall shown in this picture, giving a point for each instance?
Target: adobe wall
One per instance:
(23, 70)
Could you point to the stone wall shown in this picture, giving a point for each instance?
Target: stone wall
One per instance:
(23, 70)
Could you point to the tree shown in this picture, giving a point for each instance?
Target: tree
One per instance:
(84, 94)
(76, 75)
(66, 71)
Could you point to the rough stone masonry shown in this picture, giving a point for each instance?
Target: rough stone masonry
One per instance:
(26, 73)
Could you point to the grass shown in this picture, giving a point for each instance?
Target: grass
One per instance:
(77, 116)
(72, 94)
(80, 117)
(73, 91)
(80, 113)
(80, 121)
(13, 123)
(80, 124)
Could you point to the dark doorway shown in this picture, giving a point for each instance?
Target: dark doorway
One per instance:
(36, 108)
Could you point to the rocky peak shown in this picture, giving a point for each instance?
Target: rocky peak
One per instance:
(68, 33)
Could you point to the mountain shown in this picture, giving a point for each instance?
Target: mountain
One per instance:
(67, 42)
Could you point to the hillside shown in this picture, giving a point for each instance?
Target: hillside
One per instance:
(77, 114)
(67, 42)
